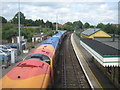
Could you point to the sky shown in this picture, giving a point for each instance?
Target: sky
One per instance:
(92, 11)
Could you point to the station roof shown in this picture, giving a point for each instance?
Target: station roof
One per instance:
(102, 48)
(104, 54)
(91, 31)
(109, 41)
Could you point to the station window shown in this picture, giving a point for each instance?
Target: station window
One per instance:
(109, 70)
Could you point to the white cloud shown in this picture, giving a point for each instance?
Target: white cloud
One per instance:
(60, 0)
(63, 10)
(92, 12)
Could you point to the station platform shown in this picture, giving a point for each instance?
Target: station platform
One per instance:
(95, 76)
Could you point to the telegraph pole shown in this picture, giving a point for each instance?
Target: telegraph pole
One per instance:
(61, 24)
(56, 22)
(19, 27)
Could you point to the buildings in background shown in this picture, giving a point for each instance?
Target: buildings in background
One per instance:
(94, 32)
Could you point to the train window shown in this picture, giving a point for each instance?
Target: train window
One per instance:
(39, 57)
(47, 61)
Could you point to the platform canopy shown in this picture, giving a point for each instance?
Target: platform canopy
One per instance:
(104, 54)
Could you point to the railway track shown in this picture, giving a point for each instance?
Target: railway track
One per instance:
(69, 74)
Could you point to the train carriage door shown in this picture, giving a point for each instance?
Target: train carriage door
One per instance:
(51, 66)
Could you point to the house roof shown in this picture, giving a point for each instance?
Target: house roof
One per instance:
(101, 48)
(91, 31)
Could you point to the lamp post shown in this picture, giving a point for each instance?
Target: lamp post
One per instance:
(19, 27)
(56, 22)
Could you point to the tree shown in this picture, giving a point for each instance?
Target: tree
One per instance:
(68, 27)
(8, 31)
(86, 25)
(91, 26)
(28, 33)
(39, 23)
(42, 23)
(78, 24)
(29, 22)
(48, 24)
(109, 28)
(69, 23)
(54, 26)
(3, 20)
(100, 25)
(15, 18)
(48, 32)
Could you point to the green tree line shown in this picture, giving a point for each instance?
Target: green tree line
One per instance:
(10, 28)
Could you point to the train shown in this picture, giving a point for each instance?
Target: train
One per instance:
(37, 69)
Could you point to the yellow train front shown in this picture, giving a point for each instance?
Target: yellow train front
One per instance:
(28, 74)
(37, 69)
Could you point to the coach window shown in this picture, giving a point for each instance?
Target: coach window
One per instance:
(46, 59)
(38, 56)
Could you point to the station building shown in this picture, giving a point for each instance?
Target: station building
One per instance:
(94, 32)
(106, 56)
(39, 38)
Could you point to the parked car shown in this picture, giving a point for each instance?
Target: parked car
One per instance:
(4, 52)
(4, 62)
(2, 59)
(13, 46)
(5, 47)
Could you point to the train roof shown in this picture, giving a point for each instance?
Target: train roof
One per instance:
(20, 76)
(59, 34)
(52, 41)
(45, 50)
